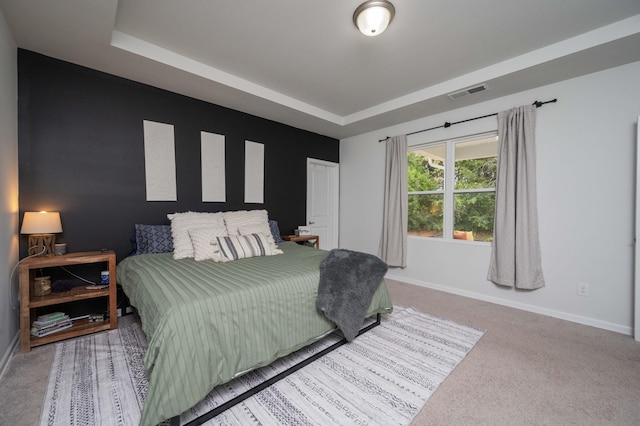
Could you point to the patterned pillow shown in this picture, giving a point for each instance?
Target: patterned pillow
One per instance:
(235, 219)
(260, 228)
(153, 239)
(202, 243)
(244, 246)
(180, 225)
(275, 231)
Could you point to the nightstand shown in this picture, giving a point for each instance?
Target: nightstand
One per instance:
(303, 239)
(29, 303)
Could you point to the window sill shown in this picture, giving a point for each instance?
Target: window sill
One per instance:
(450, 241)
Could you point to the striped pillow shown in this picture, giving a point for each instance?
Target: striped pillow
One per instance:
(244, 246)
(260, 228)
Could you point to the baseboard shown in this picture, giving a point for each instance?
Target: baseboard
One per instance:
(605, 325)
(6, 357)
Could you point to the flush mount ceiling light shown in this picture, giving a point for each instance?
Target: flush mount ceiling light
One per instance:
(372, 17)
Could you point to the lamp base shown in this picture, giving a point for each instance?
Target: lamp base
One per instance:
(42, 244)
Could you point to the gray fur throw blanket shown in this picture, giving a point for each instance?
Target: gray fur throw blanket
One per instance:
(348, 280)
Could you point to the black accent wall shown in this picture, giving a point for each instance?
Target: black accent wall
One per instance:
(81, 152)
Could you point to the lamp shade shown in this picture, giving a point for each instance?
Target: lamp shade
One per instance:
(373, 17)
(41, 223)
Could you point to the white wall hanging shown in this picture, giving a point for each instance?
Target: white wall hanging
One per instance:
(159, 161)
(253, 172)
(212, 147)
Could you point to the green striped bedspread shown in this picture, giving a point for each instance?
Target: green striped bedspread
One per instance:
(208, 322)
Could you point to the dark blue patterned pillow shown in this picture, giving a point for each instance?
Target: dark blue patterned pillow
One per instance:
(275, 231)
(153, 239)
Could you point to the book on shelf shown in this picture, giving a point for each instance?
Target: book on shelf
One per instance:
(39, 323)
(50, 317)
(35, 326)
(41, 332)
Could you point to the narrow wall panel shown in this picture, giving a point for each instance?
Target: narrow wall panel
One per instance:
(253, 172)
(213, 167)
(159, 161)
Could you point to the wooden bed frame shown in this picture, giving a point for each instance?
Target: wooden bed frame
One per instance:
(175, 421)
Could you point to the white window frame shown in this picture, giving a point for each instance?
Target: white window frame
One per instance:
(449, 191)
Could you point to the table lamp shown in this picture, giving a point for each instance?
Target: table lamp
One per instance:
(41, 227)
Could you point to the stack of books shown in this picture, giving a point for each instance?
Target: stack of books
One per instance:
(50, 323)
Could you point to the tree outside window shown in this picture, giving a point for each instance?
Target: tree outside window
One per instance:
(453, 202)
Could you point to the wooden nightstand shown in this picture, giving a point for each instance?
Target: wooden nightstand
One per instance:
(302, 238)
(29, 303)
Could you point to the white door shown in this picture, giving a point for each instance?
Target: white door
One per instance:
(323, 178)
(636, 327)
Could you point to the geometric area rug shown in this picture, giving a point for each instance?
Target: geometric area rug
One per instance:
(383, 377)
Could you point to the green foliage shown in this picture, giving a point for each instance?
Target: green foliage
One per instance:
(473, 211)
(478, 173)
(425, 211)
(421, 176)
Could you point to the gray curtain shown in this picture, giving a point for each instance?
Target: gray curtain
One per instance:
(515, 254)
(393, 244)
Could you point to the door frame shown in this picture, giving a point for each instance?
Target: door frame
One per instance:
(636, 324)
(334, 169)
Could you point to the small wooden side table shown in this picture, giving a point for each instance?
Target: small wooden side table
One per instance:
(29, 302)
(302, 239)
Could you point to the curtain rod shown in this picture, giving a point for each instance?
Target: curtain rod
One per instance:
(538, 104)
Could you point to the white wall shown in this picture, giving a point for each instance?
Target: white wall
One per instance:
(586, 172)
(8, 190)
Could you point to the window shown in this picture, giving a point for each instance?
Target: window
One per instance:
(453, 202)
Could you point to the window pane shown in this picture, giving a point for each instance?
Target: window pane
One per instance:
(426, 169)
(426, 214)
(476, 163)
(473, 216)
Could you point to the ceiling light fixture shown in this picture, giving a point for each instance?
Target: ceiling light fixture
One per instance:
(373, 16)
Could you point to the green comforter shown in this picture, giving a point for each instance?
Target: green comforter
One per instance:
(209, 322)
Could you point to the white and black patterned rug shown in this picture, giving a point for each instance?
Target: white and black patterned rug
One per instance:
(384, 377)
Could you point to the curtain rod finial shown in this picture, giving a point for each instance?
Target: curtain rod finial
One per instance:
(538, 104)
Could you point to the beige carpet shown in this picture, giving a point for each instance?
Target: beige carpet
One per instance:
(527, 369)
(530, 369)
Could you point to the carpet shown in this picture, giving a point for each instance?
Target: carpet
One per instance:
(384, 377)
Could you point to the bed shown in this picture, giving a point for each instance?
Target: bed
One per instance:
(208, 322)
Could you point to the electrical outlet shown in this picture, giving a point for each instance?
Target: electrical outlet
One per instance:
(583, 289)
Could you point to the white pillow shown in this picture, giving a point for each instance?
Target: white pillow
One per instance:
(180, 225)
(244, 246)
(202, 239)
(260, 228)
(235, 219)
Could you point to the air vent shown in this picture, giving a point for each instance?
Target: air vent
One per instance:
(468, 91)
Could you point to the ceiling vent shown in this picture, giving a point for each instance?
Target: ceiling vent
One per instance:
(468, 91)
